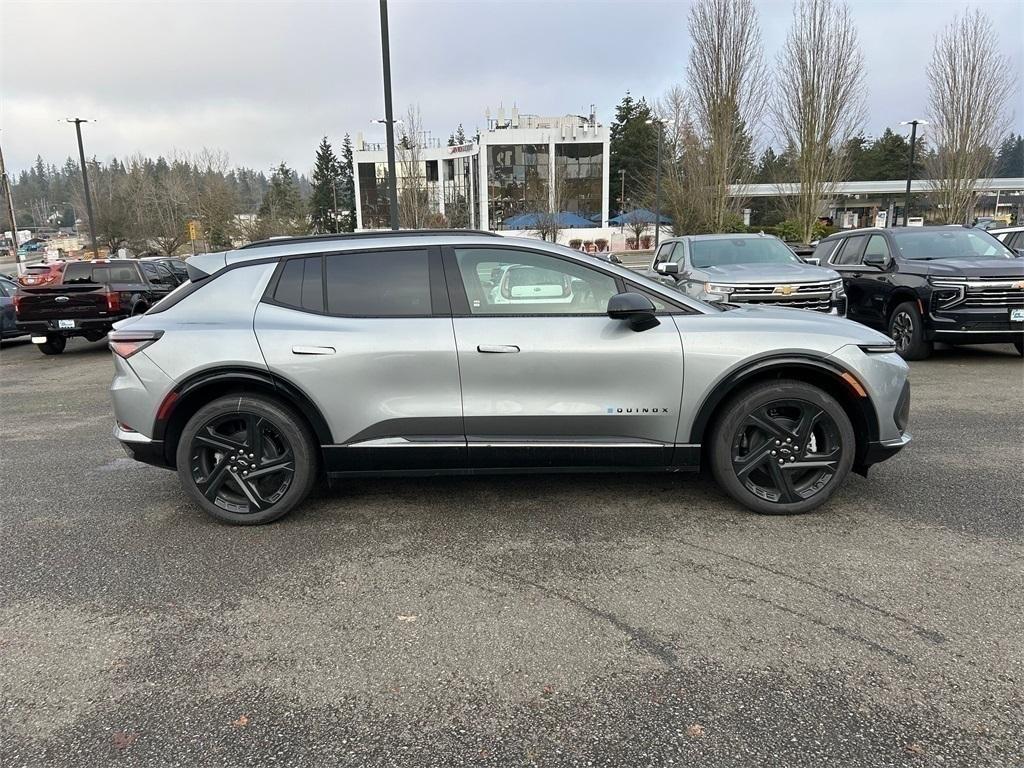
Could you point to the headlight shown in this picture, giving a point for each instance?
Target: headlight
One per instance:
(947, 292)
(725, 290)
(878, 349)
(837, 287)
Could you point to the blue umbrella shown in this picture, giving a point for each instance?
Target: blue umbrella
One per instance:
(638, 216)
(565, 219)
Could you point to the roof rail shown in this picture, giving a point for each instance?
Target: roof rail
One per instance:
(287, 240)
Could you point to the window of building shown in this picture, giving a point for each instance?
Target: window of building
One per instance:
(373, 195)
(579, 169)
(517, 182)
(431, 170)
(506, 281)
(382, 284)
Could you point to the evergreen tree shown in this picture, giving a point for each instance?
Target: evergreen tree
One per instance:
(281, 211)
(347, 187)
(1010, 158)
(633, 149)
(460, 135)
(324, 192)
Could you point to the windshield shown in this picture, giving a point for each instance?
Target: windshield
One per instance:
(951, 244)
(723, 251)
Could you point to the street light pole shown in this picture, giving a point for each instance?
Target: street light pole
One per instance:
(657, 184)
(389, 116)
(10, 209)
(910, 166)
(85, 181)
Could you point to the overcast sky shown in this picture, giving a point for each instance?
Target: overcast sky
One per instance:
(263, 81)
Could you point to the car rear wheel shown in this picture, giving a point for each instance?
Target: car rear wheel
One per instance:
(246, 459)
(782, 448)
(53, 345)
(906, 328)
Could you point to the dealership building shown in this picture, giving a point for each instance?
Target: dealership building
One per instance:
(519, 168)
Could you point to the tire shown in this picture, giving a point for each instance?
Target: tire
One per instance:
(768, 423)
(93, 336)
(54, 345)
(906, 328)
(227, 427)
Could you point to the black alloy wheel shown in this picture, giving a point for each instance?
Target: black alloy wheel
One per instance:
(906, 328)
(782, 447)
(246, 459)
(786, 451)
(242, 463)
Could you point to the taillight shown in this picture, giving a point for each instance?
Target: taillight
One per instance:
(113, 301)
(126, 343)
(17, 303)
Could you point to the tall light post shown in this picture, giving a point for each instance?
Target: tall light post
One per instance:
(85, 181)
(9, 194)
(389, 116)
(910, 165)
(657, 182)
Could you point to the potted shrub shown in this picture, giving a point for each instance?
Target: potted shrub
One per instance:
(631, 243)
(602, 244)
(646, 242)
(575, 243)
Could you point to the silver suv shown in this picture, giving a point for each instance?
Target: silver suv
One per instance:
(465, 352)
(747, 269)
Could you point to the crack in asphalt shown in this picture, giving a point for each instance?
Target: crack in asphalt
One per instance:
(928, 634)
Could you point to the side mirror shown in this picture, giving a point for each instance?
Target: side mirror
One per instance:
(635, 308)
(667, 268)
(814, 260)
(876, 260)
(1020, 252)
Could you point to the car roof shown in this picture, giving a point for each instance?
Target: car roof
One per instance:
(895, 231)
(723, 236)
(1001, 230)
(300, 246)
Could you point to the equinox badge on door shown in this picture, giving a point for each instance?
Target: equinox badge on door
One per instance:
(614, 410)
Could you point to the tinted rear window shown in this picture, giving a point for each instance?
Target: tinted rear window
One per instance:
(385, 283)
(301, 284)
(101, 273)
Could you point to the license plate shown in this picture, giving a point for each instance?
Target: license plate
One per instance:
(65, 323)
(1017, 315)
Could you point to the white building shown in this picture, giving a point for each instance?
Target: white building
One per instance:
(520, 167)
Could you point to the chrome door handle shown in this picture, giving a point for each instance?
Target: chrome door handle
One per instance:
(312, 350)
(497, 348)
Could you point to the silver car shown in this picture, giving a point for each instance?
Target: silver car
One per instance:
(416, 353)
(746, 269)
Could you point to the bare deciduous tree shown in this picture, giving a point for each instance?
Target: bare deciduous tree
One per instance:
(414, 209)
(968, 78)
(687, 187)
(549, 218)
(726, 82)
(819, 101)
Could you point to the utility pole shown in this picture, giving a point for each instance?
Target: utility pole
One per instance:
(85, 181)
(910, 167)
(389, 115)
(10, 209)
(657, 183)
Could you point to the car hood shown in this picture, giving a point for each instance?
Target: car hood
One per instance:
(809, 321)
(769, 273)
(967, 267)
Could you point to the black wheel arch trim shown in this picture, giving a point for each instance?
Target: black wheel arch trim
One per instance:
(748, 370)
(243, 376)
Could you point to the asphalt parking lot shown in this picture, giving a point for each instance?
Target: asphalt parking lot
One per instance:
(575, 620)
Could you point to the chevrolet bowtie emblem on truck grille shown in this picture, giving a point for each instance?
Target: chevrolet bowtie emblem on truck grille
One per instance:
(785, 290)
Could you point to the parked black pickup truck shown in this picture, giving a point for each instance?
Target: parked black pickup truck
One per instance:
(928, 284)
(92, 296)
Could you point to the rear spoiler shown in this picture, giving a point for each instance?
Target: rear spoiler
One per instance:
(202, 265)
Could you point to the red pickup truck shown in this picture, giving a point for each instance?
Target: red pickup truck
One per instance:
(92, 297)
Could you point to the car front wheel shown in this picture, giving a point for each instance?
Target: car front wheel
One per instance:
(782, 447)
(906, 328)
(246, 459)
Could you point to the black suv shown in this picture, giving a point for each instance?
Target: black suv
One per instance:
(921, 285)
